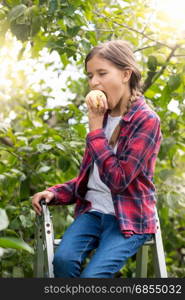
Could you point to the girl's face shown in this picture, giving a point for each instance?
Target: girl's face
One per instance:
(105, 76)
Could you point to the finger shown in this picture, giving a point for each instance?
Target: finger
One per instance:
(104, 103)
(92, 105)
(47, 199)
(102, 108)
(37, 210)
(92, 102)
(88, 103)
(37, 206)
(101, 103)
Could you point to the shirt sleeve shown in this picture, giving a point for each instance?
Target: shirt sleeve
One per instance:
(64, 193)
(118, 173)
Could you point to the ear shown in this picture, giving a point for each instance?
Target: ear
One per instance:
(126, 74)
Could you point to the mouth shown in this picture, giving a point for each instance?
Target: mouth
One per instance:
(106, 98)
(104, 93)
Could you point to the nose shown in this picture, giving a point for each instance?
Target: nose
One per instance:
(94, 82)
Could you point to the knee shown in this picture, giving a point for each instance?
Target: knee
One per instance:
(64, 265)
(62, 258)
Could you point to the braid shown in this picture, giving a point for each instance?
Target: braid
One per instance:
(135, 93)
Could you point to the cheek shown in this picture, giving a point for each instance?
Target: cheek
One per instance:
(115, 91)
(90, 84)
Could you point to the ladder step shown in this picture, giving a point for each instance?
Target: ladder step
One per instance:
(150, 242)
(57, 242)
(147, 243)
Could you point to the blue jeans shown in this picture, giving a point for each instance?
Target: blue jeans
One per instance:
(94, 230)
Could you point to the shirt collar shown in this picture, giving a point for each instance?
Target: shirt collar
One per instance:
(134, 108)
(129, 115)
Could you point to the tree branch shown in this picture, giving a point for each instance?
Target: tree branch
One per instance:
(179, 55)
(140, 49)
(6, 141)
(135, 30)
(152, 78)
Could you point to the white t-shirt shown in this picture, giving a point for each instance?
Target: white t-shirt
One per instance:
(98, 193)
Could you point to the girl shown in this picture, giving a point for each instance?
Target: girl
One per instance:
(114, 191)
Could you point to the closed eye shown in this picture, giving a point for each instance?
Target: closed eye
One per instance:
(90, 76)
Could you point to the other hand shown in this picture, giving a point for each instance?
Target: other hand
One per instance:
(47, 195)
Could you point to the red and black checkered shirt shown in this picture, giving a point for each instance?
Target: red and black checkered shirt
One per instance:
(128, 173)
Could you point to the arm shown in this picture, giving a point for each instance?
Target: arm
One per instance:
(116, 173)
(64, 193)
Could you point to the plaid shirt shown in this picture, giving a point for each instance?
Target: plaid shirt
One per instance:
(128, 173)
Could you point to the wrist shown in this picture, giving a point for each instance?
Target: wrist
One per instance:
(95, 123)
(95, 127)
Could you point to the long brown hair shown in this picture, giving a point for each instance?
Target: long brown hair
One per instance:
(120, 53)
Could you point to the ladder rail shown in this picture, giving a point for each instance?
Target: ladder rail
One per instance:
(49, 240)
(158, 255)
(39, 249)
(44, 244)
(158, 252)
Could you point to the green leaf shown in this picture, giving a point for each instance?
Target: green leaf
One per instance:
(60, 146)
(16, 12)
(43, 147)
(12, 2)
(64, 59)
(165, 97)
(35, 25)
(41, 2)
(53, 5)
(18, 272)
(2, 177)
(1, 252)
(152, 63)
(75, 144)
(165, 174)
(11, 135)
(23, 220)
(80, 128)
(64, 163)
(21, 31)
(73, 30)
(3, 219)
(174, 82)
(86, 45)
(14, 243)
(173, 124)
(25, 149)
(44, 169)
(10, 232)
(167, 146)
(2, 14)
(69, 10)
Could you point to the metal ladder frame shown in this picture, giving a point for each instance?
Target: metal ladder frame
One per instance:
(45, 245)
(158, 255)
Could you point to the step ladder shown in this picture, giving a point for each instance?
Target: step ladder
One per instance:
(45, 244)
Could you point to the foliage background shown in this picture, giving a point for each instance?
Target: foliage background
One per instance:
(41, 145)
